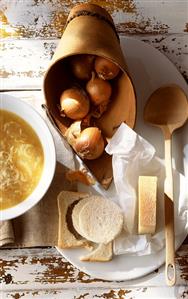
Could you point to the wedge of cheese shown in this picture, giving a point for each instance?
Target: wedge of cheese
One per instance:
(147, 199)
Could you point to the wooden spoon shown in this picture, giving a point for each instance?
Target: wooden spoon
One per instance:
(167, 108)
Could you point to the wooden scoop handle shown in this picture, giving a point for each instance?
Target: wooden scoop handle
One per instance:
(170, 270)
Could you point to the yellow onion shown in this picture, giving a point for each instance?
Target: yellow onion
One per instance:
(73, 132)
(105, 68)
(82, 65)
(90, 144)
(74, 103)
(99, 90)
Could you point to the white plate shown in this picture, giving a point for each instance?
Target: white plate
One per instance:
(149, 70)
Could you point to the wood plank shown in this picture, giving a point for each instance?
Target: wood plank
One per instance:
(110, 293)
(24, 62)
(45, 268)
(46, 18)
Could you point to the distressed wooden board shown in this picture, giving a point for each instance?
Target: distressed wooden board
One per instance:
(46, 18)
(130, 293)
(24, 62)
(43, 273)
(46, 269)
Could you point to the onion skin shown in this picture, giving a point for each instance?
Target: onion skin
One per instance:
(90, 144)
(97, 111)
(82, 65)
(73, 132)
(105, 68)
(99, 90)
(74, 103)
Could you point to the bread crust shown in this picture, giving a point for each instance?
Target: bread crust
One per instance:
(103, 253)
(65, 238)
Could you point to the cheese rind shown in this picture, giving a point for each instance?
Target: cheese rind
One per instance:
(147, 199)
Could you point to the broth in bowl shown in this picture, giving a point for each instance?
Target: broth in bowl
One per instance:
(21, 159)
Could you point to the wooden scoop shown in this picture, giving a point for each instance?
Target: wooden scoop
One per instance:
(167, 108)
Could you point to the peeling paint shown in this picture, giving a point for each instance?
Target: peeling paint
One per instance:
(4, 267)
(144, 26)
(6, 30)
(8, 278)
(33, 294)
(113, 294)
(57, 270)
(109, 295)
(184, 295)
(42, 272)
(47, 18)
(82, 296)
(17, 295)
(36, 54)
(52, 270)
(183, 264)
(127, 6)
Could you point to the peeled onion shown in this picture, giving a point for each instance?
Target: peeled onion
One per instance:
(82, 65)
(74, 103)
(105, 68)
(99, 90)
(90, 144)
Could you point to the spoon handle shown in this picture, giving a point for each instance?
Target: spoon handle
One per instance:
(170, 271)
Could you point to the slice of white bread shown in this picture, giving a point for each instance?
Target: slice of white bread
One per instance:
(100, 220)
(66, 239)
(147, 197)
(76, 211)
(103, 253)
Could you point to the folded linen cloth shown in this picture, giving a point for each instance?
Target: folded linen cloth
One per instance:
(6, 233)
(38, 226)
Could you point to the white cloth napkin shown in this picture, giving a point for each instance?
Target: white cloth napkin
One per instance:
(134, 156)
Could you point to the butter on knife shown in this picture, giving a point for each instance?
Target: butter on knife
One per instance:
(147, 199)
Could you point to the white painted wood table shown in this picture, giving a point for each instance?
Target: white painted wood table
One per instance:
(29, 34)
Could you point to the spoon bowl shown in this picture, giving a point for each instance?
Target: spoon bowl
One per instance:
(167, 108)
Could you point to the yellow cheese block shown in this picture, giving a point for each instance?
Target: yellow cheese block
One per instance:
(147, 198)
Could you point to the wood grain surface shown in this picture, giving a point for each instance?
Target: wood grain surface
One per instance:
(46, 18)
(43, 271)
(30, 58)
